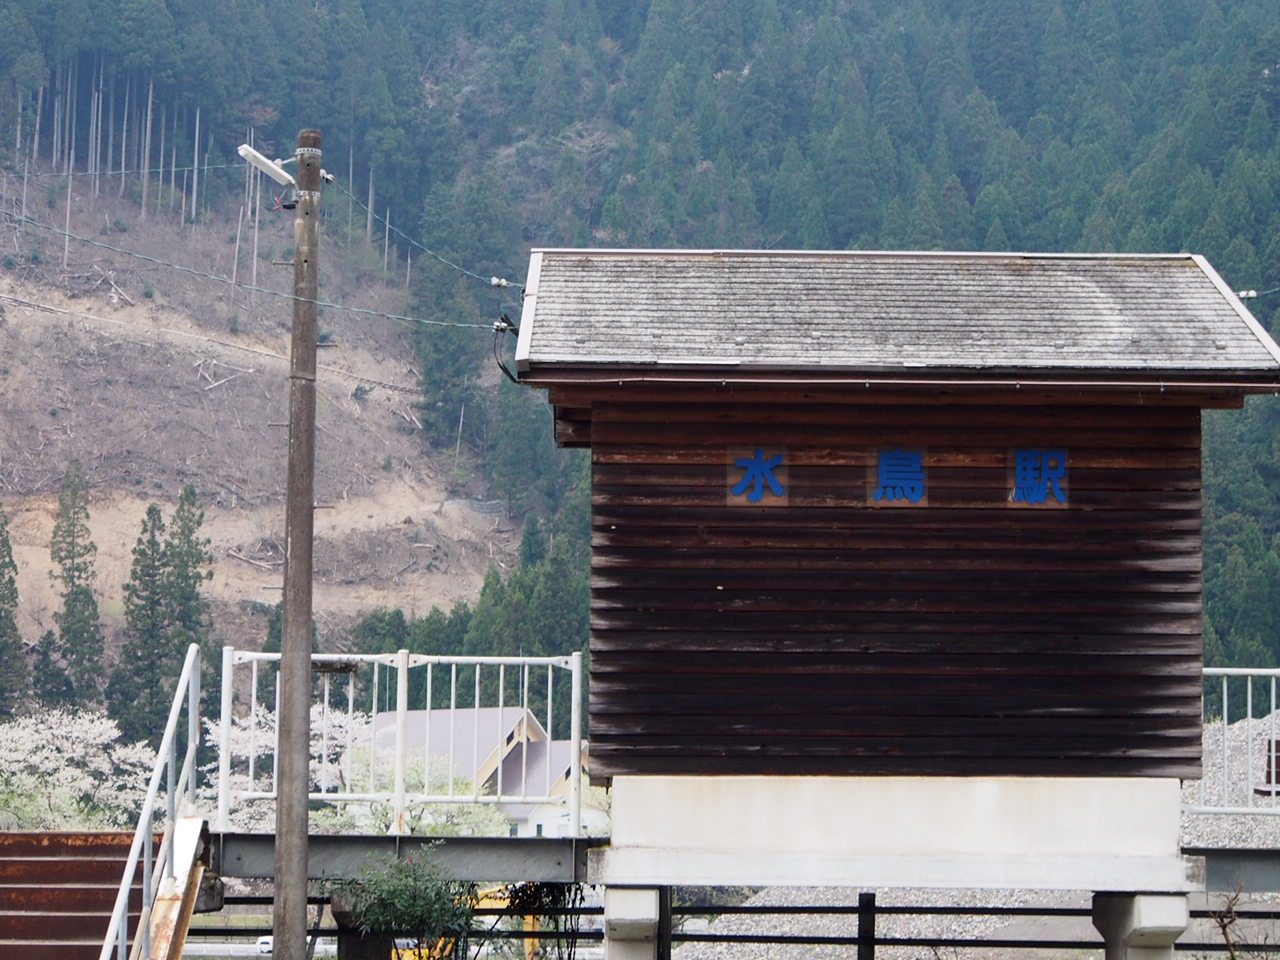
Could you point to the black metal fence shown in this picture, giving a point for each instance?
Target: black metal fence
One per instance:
(564, 929)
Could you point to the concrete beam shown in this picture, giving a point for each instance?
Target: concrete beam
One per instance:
(497, 859)
(672, 866)
(1054, 833)
(1250, 870)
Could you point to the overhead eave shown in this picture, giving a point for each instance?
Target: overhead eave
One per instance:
(527, 310)
(1235, 381)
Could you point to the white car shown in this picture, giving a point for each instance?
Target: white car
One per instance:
(264, 944)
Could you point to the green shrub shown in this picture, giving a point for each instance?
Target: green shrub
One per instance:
(408, 898)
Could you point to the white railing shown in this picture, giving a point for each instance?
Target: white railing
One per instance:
(1241, 726)
(158, 866)
(480, 730)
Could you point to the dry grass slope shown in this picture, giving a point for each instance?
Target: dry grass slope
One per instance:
(155, 378)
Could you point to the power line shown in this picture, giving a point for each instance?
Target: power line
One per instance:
(491, 281)
(103, 174)
(499, 282)
(245, 286)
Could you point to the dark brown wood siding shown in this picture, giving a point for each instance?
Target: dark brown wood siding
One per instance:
(827, 636)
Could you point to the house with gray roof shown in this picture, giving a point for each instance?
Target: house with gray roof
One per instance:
(502, 753)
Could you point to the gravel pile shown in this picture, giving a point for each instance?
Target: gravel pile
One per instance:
(1243, 739)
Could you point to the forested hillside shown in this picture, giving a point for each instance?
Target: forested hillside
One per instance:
(482, 128)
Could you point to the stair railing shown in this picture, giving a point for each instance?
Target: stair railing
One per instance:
(176, 782)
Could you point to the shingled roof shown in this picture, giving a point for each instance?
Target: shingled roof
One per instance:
(903, 314)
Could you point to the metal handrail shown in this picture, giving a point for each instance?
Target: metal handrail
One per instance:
(1234, 749)
(178, 781)
(399, 796)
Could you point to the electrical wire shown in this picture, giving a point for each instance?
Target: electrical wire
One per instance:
(245, 286)
(501, 327)
(491, 281)
(103, 174)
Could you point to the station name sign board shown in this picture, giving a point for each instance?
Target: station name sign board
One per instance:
(1037, 477)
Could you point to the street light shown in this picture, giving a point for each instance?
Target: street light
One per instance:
(272, 168)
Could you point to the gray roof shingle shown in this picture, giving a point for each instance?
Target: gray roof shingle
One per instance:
(878, 312)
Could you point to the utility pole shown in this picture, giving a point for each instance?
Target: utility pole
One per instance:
(289, 920)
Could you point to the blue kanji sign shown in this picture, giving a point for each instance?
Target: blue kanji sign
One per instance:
(762, 478)
(900, 477)
(1038, 476)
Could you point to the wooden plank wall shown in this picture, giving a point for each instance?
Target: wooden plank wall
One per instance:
(827, 636)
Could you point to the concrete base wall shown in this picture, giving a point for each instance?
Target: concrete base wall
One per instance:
(1033, 832)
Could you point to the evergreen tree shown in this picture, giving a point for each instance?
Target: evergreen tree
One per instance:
(848, 188)
(524, 463)
(186, 559)
(450, 356)
(795, 213)
(995, 205)
(893, 231)
(533, 543)
(1257, 131)
(996, 239)
(141, 687)
(50, 682)
(437, 633)
(80, 643)
(15, 677)
(484, 631)
(924, 231)
(560, 604)
(660, 43)
(165, 612)
(1003, 55)
(896, 106)
(382, 631)
(956, 216)
(948, 75)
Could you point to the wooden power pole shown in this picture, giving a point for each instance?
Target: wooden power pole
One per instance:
(289, 920)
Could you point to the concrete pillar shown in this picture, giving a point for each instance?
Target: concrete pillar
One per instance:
(631, 917)
(1140, 926)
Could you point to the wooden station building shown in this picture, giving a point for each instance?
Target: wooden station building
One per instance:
(912, 540)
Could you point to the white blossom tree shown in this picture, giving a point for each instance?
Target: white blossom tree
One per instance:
(68, 770)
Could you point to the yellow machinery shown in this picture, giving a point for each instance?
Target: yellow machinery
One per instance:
(495, 898)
